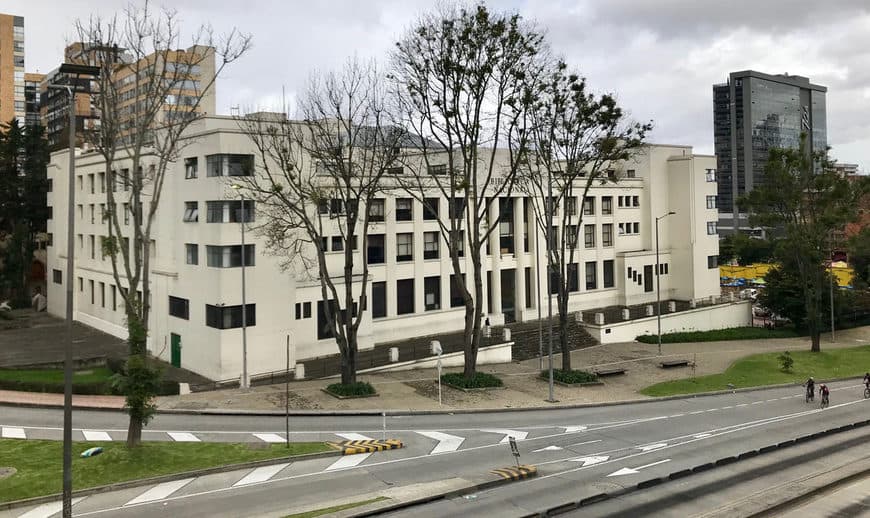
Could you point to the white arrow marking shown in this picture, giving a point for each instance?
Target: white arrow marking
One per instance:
(50, 509)
(651, 447)
(348, 461)
(570, 429)
(354, 436)
(183, 437)
(516, 434)
(269, 437)
(160, 491)
(446, 442)
(261, 474)
(588, 461)
(632, 471)
(548, 448)
(91, 435)
(702, 435)
(12, 433)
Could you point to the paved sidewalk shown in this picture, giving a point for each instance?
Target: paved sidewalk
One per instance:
(56, 400)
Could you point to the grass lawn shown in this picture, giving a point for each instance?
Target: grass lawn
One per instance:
(39, 463)
(94, 375)
(764, 369)
(716, 335)
(336, 508)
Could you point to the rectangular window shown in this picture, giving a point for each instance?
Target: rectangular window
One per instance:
(437, 169)
(179, 308)
(375, 249)
(191, 212)
(573, 273)
(457, 207)
(711, 202)
(712, 261)
(126, 213)
(306, 310)
(57, 276)
(91, 287)
(588, 206)
(50, 240)
(635, 201)
(376, 210)
(712, 228)
(229, 256)
(102, 181)
(636, 227)
(323, 319)
(404, 209)
(589, 236)
(456, 297)
(191, 252)
(404, 296)
(93, 214)
(298, 311)
(430, 245)
(711, 175)
(379, 299)
(81, 285)
(91, 183)
(432, 293)
(114, 298)
(230, 317)
(591, 276)
(404, 247)
(606, 205)
(430, 208)
(232, 211)
(191, 165)
(619, 199)
(528, 282)
(647, 278)
(629, 173)
(92, 242)
(607, 234)
(229, 165)
(337, 244)
(102, 294)
(336, 207)
(571, 205)
(459, 242)
(608, 279)
(397, 170)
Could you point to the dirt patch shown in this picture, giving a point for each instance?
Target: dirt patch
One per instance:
(450, 396)
(7, 472)
(296, 401)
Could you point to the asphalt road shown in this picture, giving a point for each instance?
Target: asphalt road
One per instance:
(579, 452)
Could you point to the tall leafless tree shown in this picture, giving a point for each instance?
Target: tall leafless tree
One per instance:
(148, 93)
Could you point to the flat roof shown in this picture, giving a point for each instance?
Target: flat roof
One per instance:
(793, 80)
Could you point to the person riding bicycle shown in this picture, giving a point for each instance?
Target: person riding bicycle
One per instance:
(811, 387)
(867, 380)
(823, 391)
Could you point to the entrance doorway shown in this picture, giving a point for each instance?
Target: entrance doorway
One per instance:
(175, 343)
(508, 295)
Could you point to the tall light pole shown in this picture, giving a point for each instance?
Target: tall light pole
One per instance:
(551, 398)
(75, 71)
(244, 382)
(659, 283)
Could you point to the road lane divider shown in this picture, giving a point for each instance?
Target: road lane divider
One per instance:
(366, 446)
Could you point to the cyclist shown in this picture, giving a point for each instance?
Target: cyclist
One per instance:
(823, 391)
(811, 388)
(867, 380)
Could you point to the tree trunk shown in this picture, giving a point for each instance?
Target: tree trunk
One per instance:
(134, 433)
(136, 339)
(348, 364)
(470, 355)
(563, 334)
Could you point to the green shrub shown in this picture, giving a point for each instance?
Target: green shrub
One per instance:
(571, 377)
(480, 380)
(716, 335)
(360, 388)
(785, 361)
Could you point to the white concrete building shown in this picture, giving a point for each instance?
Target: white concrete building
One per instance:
(196, 281)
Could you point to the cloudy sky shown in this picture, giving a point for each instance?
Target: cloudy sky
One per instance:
(661, 57)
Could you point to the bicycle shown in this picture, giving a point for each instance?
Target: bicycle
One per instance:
(811, 395)
(824, 402)
(866, 391)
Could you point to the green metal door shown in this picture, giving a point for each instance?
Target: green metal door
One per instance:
(176, 349)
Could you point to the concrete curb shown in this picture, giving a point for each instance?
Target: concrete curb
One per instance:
(571, 506)
(4, 506)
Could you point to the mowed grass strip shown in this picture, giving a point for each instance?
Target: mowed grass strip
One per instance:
(39, 463)
(721, 335)
(95, 375)
(335, 508)
(765, 369)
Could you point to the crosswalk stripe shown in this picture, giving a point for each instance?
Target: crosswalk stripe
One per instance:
(354, 436)
(261, 474)
(12, 433)
(269, 437)
(93, 435)
(183, 437)
(348, 461)
(49, 509)
(160, 491)
(446, 442)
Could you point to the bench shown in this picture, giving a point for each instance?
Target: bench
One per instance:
(612, 371)
(667, 364)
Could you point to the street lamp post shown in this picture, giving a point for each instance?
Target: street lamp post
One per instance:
(550, 238)
(659, 283)
(244, 382)
(74, 70)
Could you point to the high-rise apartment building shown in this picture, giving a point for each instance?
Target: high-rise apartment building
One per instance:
(32, 95)
(752, 113)
(12, 104)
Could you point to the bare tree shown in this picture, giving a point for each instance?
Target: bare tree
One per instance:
(317, 183)
(465, 79)
(148, 93)
(577, 140)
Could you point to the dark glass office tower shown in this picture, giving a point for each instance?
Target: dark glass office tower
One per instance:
(752, 113)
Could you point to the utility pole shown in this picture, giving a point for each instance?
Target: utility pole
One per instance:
(659, 283)
(244, 382)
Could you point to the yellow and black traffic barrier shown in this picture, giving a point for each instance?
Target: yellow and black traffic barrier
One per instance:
(516, 472)
(366, 446)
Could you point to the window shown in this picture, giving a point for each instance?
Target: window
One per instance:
(588, 206)
(571, 205)
(191, 251)
(573, 273)
(114, 298)
(229, 256)
(608, 278)
(394, 170)
(636, 227)
(404, 296)
(635, 201)
(230, 317)
(647, 278)
(404, 209)
(375, 252)
(619, 199)
(231, 211)
(430, 208)
(606, 205)
(191, 212)
(437, 169)
(102, 294)
(126, 213)
(91, 286)
(190, 167)
(50, 185)
(337, 244)
(376, 210)
(629, 173)
(125, 174)
(456, 297)
(607, 234)
(459, 242)
(336, 207)
(622, 228)
(93, 214)
(712, 261)
(711, 175)
(324, 319)
(102, 181)
(404, 247)
(50, 241)
(92, 242)
(303, 310)
(91, 183)
(591, 279)
(81, 285)
(589, 236)
(179, 308)
(711, 202)
(379, 299)
(57, 276)
(430, 245)
(712, 228)
(457, 207)
(229, 165)
(432, 293)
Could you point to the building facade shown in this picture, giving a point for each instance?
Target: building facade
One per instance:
(752, 113)
(32, 95)
(197, 254)
(12, 104)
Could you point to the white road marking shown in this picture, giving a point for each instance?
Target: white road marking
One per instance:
(757, 402)
(183, 437)
(548, 448)
(651, 447)
(49, 509)
(261, 474)
(348, 461)
(160, 491)
(94, 435)
(711, 410)
(354, 436)
(702, 435)
(572, 429)
(741, 405)
(631, 471)
(697, 412)
(588, 461)
(516, 434)
(676, 415)
(8, 432)
(269, 437)
(446, 442)
(727, 407)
